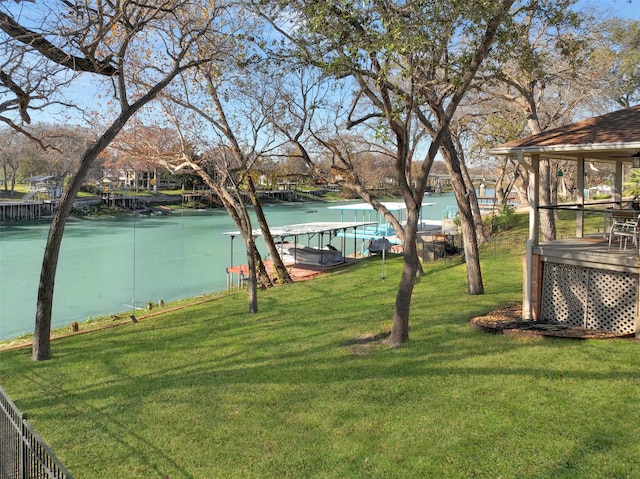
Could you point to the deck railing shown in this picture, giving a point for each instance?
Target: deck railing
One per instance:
(23, 453)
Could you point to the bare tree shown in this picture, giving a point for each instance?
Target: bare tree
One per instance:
(36, 67)
(617, 51)
(224, 105)
(143, 148)
(408, 66)
(142, 45)
(9, 158)
(488, 121)
(544, 70)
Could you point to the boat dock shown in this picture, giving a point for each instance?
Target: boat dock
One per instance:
(301, 266)
(25, 211)
(237, 276)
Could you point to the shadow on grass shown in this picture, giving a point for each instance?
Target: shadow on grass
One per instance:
(178, 378)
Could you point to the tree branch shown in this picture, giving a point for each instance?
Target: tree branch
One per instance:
(52, 52)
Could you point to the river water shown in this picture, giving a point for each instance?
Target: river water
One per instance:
(112, 265)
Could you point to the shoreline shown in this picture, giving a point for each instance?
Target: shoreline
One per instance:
(90, 319)
(108, 322)
(160, 204)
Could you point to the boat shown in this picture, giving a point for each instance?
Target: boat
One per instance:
(293, 253)
(380, 228)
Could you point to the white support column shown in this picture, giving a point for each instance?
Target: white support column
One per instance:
(580, 199)
(534, 195)
(617, 184)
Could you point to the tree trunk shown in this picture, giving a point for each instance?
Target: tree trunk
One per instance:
(252, 288)
(238, 212)
(457, 151)
(280, 271)
(155, 181)
(41, 349)
(243, 221)
(471, 254)
(410, 269)
(257, 271)
(469, 237)
(501, 194)
(473, 202)
(263, 278)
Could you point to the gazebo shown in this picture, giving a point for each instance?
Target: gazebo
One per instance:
(582, 281)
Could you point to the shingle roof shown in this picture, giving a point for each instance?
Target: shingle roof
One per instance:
(307, 228)
(36, 179)
(616, 133)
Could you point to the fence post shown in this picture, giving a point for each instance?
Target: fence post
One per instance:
(23, 453)
(23, 447)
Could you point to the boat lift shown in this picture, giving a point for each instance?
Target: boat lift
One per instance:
(294, 231)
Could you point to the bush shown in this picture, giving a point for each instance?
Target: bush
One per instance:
(504, 220)
(601, 196)
(91, 189)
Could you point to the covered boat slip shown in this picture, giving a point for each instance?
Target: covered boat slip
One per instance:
(588, 281)
(305, 260)
(367, 225)
(379, 226)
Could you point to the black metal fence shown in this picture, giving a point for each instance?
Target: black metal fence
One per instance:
(506, 245)
(451, 246)
(23, 453)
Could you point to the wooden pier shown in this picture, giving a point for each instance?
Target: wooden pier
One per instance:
(207, 196)
(25, 211)
(237, 276)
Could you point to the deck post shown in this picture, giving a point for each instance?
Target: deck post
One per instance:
(637, 323)
(617, 184)
(580, 199)
(355, 242)
(527, 299)
(534, 195)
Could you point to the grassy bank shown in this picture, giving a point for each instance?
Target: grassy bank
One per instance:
(305, 388)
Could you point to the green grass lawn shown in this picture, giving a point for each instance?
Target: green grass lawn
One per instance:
(304, 389)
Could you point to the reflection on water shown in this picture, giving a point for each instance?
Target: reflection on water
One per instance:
(111, 265)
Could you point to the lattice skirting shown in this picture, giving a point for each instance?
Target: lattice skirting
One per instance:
(592, 298)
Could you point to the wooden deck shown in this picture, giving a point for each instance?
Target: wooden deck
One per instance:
(581, 282)
(591, 251)
(24, 211)
(236, 275)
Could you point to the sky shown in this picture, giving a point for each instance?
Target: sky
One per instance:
(616, 8)
(85, 87)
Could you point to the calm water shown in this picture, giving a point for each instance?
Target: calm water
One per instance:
(112, 265)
